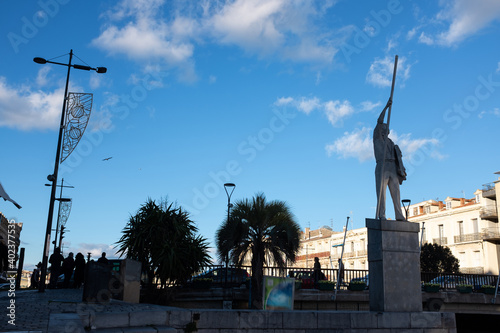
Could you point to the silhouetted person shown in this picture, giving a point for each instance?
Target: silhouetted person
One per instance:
(67, 269)
(341, 273)
(317, 271)
(35, 276)
(4, 256)
(103, 259)
(79, 270)
(55, 261)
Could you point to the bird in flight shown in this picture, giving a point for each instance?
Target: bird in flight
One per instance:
(107, 159)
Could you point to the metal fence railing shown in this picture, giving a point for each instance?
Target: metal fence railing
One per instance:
(451, 280)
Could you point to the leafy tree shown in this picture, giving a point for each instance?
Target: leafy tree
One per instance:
(438, 259)
(163, 238)
(259, 228)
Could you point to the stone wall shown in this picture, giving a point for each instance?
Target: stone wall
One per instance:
(239, 321)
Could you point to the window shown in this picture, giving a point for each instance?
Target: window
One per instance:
(448, 204)
(478, 198)
(476, 257)
(460, 228)
(475, 226)
(415, 211)
(461, 258)
(427, 209)
(441, 231)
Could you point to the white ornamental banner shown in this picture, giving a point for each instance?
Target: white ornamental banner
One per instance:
(78, 108)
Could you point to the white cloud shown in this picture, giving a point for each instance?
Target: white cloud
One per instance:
(392, 43)
(369, 105)
(95, 250)
(308, 105)
(143, 40)
(463, 19)
(411, 33)
(411, 146)
(270, 27)
(41, 79)
(357, 144)
(423, 38)
(495, 112)
(381, 72)
(336, 111)
(498, 68)
(267, 28)
(252, 24)
(25, 109)
(284, 101)
(95, 81)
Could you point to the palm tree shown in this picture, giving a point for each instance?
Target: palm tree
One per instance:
(259, 228)
(163, 238)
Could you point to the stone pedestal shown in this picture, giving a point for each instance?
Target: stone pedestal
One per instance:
(131, 279)
(394, 265)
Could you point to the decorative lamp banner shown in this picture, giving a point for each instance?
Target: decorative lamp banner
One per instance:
(76, 119)
(64, 211)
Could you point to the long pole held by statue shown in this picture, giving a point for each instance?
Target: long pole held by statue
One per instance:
(382, 188)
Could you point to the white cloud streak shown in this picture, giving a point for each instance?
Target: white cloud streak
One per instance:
(334, 110)
(267, 28)
(358, 144)
(463, 18)
(381, 72)
(24, 109)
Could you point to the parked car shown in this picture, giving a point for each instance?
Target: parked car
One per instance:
(235, 276)
(449, 281)
(307, 278)
(365, 279)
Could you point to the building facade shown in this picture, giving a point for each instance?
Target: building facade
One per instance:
(4, 240)
(468, 227)
(314, 243)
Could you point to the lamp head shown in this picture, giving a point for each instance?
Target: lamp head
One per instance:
(82, 67)
(101, 70)
(39, 60)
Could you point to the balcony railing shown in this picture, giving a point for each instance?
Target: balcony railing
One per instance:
(358, 253)
(440, 241)
(488, 212)
(467, 238)
(490, 234)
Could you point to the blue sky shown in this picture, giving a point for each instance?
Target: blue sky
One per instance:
(276, 96)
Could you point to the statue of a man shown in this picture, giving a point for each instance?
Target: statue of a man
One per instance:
(390, 170)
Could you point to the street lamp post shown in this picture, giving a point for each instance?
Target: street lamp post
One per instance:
(229, 188)
(406, 206)
(61, 199)
(53, 177)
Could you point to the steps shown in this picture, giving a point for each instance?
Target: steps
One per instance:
(130, 322)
